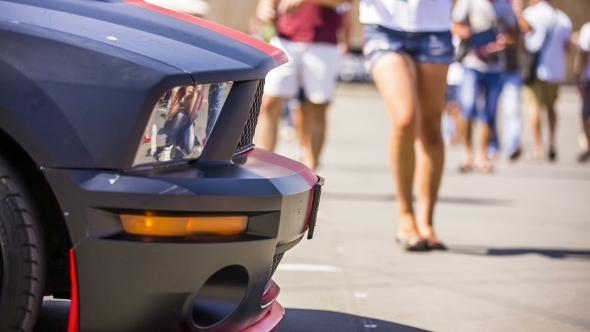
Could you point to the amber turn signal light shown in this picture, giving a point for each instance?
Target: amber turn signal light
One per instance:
(184, 226)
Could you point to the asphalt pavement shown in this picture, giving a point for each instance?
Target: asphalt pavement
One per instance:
(519, 239)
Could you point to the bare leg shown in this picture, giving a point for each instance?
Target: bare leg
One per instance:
(312, 131)
(268, 122)
(552, 117)
(455, 112)
(586, 128)
(297, 117)
(394, 76)
(536, 130)
(467, 128)
(431, 95)
(585, 156)
(483, 162)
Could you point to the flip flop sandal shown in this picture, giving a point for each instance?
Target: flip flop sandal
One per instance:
(408, 245)
(535, 157)
(584, 157)
(432, 245)
(484, 168)
(515, 155)
(465, 168)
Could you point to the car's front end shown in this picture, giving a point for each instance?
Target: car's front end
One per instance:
(141, 121)
(190, 246)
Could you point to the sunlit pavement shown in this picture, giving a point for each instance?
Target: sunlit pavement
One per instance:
(519, 239)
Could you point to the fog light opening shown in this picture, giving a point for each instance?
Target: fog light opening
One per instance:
(220, 296)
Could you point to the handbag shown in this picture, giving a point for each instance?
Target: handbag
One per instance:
(529, 61)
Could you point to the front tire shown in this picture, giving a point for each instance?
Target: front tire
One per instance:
(22, 258)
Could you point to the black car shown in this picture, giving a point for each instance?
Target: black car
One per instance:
(129, 183)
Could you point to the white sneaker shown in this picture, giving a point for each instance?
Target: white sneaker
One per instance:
(165, 154)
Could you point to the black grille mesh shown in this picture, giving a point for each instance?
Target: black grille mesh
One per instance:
(275, 263)
(250, 127)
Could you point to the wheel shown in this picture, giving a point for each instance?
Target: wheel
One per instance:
(22, 259)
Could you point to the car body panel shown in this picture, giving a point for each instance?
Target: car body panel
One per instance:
(80, 80)
(254, 183)
(69, 114)
(155, 294)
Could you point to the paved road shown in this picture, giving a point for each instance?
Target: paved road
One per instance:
(519, 239)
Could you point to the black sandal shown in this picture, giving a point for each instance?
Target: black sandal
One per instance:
(465, 168)
(552, 155)
(407, 245)
(432, 245)
(584, 157)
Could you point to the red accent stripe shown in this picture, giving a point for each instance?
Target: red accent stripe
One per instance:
(74, 319)
(284, 162)
(270, 321)
(278, 55)
(271, 295)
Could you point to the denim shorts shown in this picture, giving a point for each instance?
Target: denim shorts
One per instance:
(430, 47)
(474, 83)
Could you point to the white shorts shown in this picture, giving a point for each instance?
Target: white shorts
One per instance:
(313, 67)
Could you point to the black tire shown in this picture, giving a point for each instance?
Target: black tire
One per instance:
(22, 256)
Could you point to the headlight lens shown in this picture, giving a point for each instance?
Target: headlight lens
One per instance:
(181, 122)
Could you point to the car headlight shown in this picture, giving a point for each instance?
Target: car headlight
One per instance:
(181, 122)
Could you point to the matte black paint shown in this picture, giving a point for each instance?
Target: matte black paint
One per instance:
(133, 286)
(78, 103)
(75, 99)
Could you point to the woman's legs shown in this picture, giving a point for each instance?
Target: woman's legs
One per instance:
(312, 132)
(268, 122)
(431, 81)
(468, 91)
(534, 109)
(552, 91)
(395, 77)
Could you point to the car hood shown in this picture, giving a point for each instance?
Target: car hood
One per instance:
(205, 50)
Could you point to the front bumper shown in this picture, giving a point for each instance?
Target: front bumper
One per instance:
(127, 284)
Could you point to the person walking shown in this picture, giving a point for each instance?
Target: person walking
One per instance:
(547, 32)
(486, 27)
(510, 104)
(409, 48)
(583, 79)
(511, 98)
(308, 34)
(452, 114)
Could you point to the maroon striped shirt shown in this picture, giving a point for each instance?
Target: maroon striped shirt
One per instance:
(311, 23)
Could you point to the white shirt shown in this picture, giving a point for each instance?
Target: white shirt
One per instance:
(546, 20)
(584, 44)
(408, 15)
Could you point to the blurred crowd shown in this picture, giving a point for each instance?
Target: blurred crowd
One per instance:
(472, 100)
(443, 68)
